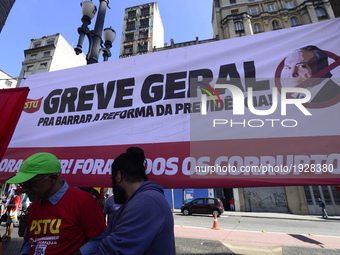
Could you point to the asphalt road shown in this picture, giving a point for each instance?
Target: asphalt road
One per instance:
(325, 227)
(190, 246)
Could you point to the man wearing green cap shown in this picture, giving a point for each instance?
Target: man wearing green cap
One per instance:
(63, 220)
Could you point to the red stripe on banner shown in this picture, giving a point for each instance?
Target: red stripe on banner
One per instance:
(12, 102)
(169, 163)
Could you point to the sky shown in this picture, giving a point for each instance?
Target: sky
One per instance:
(183, 20)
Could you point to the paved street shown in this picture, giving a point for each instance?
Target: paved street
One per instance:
(262, 233)
(243, 233)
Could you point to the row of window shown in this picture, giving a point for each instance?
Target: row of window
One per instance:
(132, 24)
(40, 43)
(131, 36)
(41, 67)
(271, 7)
(258, 28)
(320, 12)
(144, 12)
(141, 47)
(45, 54)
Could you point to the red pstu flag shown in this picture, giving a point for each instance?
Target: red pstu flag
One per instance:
(12, 102)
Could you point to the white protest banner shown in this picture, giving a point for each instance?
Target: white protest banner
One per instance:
(259, 110)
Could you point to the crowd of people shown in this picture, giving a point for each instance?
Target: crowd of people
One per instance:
(136, 219)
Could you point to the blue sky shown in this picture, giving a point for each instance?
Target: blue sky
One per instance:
(183, 20)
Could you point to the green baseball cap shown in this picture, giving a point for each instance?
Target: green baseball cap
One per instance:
(39, 163)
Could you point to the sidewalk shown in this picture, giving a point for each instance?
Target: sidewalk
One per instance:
(287, 216)
(256, 242)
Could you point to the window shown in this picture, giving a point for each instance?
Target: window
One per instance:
(257, 28)
(199, 201)
(336, 195)
(253, 11)
(289, 5)
(37, 44)
(235, 11)
(294, 21)
(47, 53)
(130, 25)
(128, 50)
(8, 83)
(33, 56)
(276, 25)
(320, 13)
(42, 66)
(129, 37)
(144, 23)
(145, 11)
(29, 69)
(233, 1)
(143, 35)
(239, 26)
(143, 46)
(50, 42)
(132, 14)
(210, 201)
(271, 7)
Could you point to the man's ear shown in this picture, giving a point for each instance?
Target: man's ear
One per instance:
(54, 178)
(118, 177)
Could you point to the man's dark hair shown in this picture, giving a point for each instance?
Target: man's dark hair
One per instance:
(322, 58)
(131, 165)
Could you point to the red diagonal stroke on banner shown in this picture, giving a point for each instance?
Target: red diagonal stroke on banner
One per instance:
(321, 73)
(12, 102)
(317, 75)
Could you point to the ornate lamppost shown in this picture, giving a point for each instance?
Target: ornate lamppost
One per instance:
(89, 10)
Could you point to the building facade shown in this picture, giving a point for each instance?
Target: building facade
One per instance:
(50, 53)
(174, 45)
(142, 30)
(7, 81)
(234, 18)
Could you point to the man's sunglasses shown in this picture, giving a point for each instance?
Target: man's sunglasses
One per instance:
(31, 184)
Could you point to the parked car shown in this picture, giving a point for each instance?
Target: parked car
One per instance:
(207, 205)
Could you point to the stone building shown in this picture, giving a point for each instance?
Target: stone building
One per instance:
(234, 18)
(50, 53)
(142, 30)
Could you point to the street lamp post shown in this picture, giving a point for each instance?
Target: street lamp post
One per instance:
(95, 36)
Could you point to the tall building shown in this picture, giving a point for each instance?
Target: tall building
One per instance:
(234, 18)
(142, 30)
(7, 81)
(50, 53)
(5, 8)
